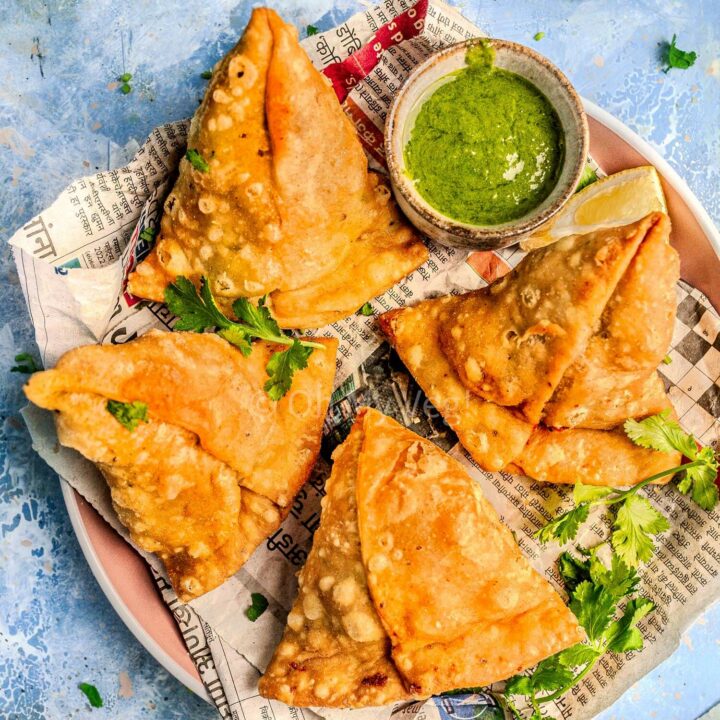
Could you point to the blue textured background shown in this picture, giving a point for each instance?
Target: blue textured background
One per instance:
(62, 115)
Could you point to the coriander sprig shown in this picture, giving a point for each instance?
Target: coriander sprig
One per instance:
(198, 311)
(128, 414)
(26, 364)
(595, 594)
(636, 520)
(194, 157)
(257, 608)
(677, 58)
(92, 694)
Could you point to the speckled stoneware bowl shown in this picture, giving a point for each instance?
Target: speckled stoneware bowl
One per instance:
(418, 87)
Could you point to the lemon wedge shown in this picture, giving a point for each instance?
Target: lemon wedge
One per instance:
(612, 201)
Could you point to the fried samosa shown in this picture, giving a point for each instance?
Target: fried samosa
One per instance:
(492, 434)
(598, 457)
(275, 196)
(572, 338)
(212, 467)
(614, 378)
(512, 341)
(413, 585)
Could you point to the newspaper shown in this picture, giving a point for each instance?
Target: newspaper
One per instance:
(73, 260)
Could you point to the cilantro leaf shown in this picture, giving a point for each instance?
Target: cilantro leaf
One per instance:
(193, 312)
(662, 433)
(619, 580)
(92, 694)
(129, 415)
(699, 481)
(578, 655)
(126, 88)
(261, 322)
(199, 312)
(282, 366)
(367, 310)
(676, 58)
(539, 35)
(622, 635)
(594, 607)
(551, 674)
(667, 360)
(197, 160)
(635, 524)
(564, 527)
(572, 570)
(312, 30)
(125, 77)
(206, 74)
(589, 493)
(519, 685)
(27, 364)
(464, 691)
(593, 600)
(258, 607)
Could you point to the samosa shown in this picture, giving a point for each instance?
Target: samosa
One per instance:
(274, 195)
(570, 339)
(413, 586)
(202, 465)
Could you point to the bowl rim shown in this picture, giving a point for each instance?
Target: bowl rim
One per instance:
(507, 232)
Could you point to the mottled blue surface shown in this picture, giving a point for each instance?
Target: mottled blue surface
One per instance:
(61, 115)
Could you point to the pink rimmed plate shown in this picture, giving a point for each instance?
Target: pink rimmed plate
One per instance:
(124, 576)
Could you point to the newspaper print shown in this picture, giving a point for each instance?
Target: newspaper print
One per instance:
(73, 261)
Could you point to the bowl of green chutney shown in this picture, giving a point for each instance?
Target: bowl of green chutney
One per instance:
(485, 141)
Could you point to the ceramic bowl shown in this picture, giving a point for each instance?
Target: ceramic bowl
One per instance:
(418, 87)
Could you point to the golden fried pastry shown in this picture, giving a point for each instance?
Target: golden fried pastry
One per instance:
(276, 196)
(512, 341)
(212, 469)
(598, 457)
(413, 586)
(492, 434)
(571, 337)
(609, 381)
(341, 653)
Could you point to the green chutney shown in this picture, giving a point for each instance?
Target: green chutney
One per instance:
(487, 146)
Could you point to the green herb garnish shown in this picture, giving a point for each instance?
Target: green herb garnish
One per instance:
(128, 414)
(206, 74)
(367, 310)
(662, 433)
(92, 694)
(258, 607)
(539, 35)
(676, 58)
(588, 177)
(198, 311)
(27, 364)
(595, 592)
(312, 30)
(636, 520)
(125, 79)
(667, 360)
(197, 160)
(148, 235)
